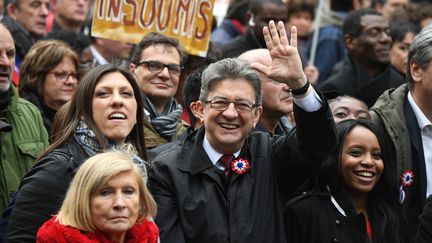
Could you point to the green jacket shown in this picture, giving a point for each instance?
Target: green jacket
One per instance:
(152, 137)
(388, 112)
(19, 147)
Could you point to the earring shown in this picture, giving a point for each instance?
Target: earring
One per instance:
(251, 21)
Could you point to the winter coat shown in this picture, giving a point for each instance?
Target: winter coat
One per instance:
(152, 137)
(194, 206)
(19, 147)
(53, 231)
(42, 191)
(316, 217)
(395, 115)
(351, 78)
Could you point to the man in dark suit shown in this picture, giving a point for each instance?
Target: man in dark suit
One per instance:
(202, 195)
(365, 72)
(406, 114)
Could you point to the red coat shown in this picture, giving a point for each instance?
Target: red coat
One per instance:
(52, 231)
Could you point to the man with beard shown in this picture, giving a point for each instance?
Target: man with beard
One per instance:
(26, 137)
(365, 72)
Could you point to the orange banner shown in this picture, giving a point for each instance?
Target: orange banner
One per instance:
(129, 20)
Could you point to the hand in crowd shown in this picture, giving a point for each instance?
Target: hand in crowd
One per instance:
(286, 66)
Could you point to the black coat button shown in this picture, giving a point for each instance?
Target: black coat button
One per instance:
(335, 240)
(338, 222)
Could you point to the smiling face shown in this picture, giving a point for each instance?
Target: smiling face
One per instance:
(57, 91)
(361, 163)
(372, 46)
(114, 107)
(161, 86)
(7, 58)
(114, 207)
(227, 130)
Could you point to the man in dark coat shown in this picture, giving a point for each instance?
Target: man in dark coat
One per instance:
(405, 114)
(365, 72)
(201, 195)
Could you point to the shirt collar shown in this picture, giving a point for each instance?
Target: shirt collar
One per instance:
(422, 120)
(214, 155)
(100, 59)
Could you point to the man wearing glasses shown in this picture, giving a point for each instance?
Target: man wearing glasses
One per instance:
(225, 184)
(156, 61)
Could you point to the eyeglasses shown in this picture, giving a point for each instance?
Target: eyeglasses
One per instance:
(157, 67)
(63, 76)
(223, 104)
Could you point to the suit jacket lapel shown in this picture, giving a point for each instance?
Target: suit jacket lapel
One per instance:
(194, 159)
(417, 153)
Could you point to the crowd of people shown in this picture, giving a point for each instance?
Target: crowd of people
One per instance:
(286, 131)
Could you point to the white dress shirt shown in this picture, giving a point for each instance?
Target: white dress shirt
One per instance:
(426, 134)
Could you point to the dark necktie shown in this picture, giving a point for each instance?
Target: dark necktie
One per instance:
(226, 160)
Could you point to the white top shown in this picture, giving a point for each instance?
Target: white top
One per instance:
(96, 55)
(214, 155)
(310, 103)
(426, 134)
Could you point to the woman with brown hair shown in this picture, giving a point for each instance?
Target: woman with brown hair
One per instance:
(48, 77)
(105, 112)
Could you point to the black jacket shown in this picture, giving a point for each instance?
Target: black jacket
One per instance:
(350, 78)
(47, 113)
(42, 191)
(314, 218)
(424, 231)
(193, 205)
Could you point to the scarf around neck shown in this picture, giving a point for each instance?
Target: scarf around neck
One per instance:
(88, 141)
(164, 123)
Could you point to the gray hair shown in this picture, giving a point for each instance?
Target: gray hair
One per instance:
(420, 51)
(229, 69)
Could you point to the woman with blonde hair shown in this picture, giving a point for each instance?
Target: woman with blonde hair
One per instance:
(107, 201)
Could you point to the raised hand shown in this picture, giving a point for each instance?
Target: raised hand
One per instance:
(286, 66)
